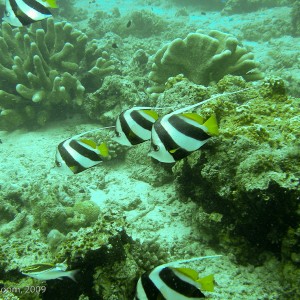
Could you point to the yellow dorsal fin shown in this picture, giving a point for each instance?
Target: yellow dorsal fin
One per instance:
(89, 142)
(212, 125)
(151, 113)
(188, 272)
(194, 116)
(52, 3)
(103, 149)
(207, 283)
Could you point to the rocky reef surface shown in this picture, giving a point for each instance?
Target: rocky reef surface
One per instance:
(237, 196)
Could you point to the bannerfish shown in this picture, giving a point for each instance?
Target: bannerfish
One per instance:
(178, 134)
(24, 12)
(77, 154)
(133, 126)
(47, 271)
(174, 283)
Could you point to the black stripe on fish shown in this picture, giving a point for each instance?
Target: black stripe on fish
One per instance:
(38, 7)
(86, 152)
(180, 286)
(188, 129)
(169, 143)
(131, 136)
(22, 15)
(150, 288)
(141, 120)
(68, 158)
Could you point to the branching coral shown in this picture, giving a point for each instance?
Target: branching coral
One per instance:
(203, 59)
(45, 72)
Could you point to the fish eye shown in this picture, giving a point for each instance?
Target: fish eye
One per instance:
(118, 134)
(58, 164)
(155, 148)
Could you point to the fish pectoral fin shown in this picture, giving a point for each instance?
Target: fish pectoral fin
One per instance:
(174, 150)
(207, 283)
(74, 169)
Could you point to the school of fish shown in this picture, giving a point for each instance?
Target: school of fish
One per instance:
(172, 136)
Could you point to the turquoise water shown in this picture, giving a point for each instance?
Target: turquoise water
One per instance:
(136, 134)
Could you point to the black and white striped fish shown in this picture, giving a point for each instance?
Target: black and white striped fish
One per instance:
(175, 136)
(24, 12)
(76, 154)
(174, 283)
(178, 134)
(133, 126)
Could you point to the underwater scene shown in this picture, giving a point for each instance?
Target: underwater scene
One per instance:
(150, 149)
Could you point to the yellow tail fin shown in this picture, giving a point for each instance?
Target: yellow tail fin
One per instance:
(212, 125)
(103, 149)
(207, 283)
(52, 3)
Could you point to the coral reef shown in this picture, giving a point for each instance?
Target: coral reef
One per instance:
(242, 6)
(45, 72)
(115, 95)
(212, 4)
(266, 30)
(291, 259)
(202, 59)
(295, 18)
(110, 262)
(247, 180)
(68, 10)
(140, 23)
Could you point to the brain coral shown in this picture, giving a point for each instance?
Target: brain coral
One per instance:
(203, 59)
(45, 72)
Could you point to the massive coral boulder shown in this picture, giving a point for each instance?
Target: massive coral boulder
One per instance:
(203, 59)
(45, 72)
(247, 178)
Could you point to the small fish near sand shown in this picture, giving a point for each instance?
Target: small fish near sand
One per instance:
(174, 283)
(24, 12)
(76, 154)
(47, 271)
(133, 126)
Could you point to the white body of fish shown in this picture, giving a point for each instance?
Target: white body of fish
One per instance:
(55, 273)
